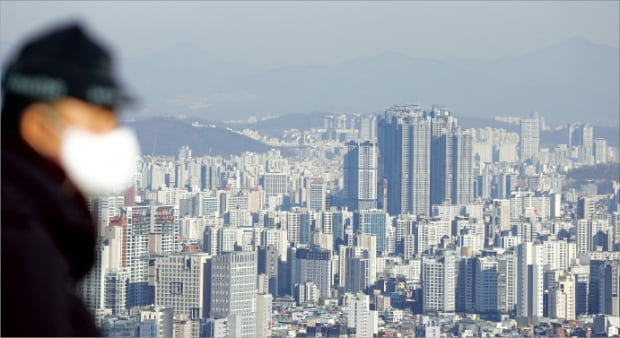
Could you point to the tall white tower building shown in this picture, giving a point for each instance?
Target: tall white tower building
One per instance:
(104, 207)
(359, 315)
(501, 214)
(438, 283)
(316, 194)
(360, 175)
(462, 162)
(263, 315)
(506, 282)
(562, 297)
(405, 141)
(135, 224)
(530, 280)
(529, 137)
(230, 291)
(584, 236)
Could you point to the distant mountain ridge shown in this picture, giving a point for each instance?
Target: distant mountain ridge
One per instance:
(275, 127)
(570, 81)
(165, 135)
(573, 80)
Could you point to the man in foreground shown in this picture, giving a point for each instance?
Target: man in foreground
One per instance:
(60, 142)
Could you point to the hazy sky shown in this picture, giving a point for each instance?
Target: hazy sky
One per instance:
(273, 34)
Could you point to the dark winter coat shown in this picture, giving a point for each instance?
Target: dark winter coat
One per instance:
(48, 241)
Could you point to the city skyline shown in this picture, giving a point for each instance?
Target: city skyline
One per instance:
(521, 245)
(318, 169)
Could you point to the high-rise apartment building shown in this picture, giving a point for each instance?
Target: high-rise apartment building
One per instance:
(586, 207)
(275, 184)
(104, 207)
(306, 292)
(268, 264)
(230, 291)
(428, 233)
(179, 284)
(581, 274)
(354, 268)
(372, 222)
(263, 315)
(443, 125)
(584, 236)
(368, 243)
(92, 288)
(462, 172)
(486, 285)
(501, 214)
(581, 135)
(359, 315)
(506, 282)
(451, 159)
(425, 158)
(465, 294)
(609, 288)
(298, 225)
(135, 223)
(530, 281)
(562, 297)
(165, 229)
(316, 194)
(313, 264)
(332, 223)
(600, 150)
(438, 283)
(367, 127)
(529, 137)
(405, 142)
(360, 175)
(116, 283)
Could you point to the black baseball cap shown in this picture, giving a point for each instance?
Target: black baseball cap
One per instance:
(64, 62)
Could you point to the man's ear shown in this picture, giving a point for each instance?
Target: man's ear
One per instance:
(36, 130)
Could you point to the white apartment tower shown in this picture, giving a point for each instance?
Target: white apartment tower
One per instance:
(360, 175)
(439, 283)
(529, 137)
(104, 207)
(530, 280)
(584, 236)
(316, 194)
(463, 177)
(501, 214)
(562, 297)
(600, 150)
(506, 282)
(263, 315)
(359, 315)
(230, 290)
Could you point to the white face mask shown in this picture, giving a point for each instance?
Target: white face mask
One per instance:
(99, 163)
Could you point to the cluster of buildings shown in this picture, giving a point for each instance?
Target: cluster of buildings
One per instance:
(399, 224)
